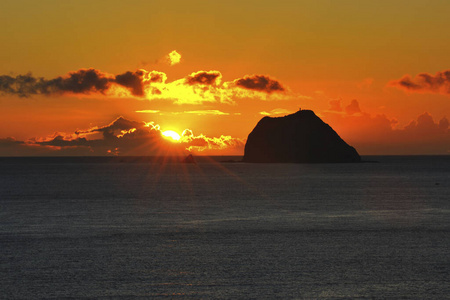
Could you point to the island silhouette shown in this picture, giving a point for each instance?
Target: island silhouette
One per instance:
(301, 137)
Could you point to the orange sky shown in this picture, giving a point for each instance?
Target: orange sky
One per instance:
(375, 71)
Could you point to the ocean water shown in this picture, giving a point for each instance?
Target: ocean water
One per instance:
(146, 228)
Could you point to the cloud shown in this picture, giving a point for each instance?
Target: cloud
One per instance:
(207, 86)
(196, 88)
(276, 111)
(112, 130)
(335, 105)
(260, 83)
(139, 82)
(83, 81)
(204, 78)
(425, 83)
(122, 137)
(12, 147)
(149, 111)
(379, 134)
(203, 112)
(206, 144)
(207, 112)
(174, 57)
(9, 141)
(424, 124)
(353, 108)
(350, 109)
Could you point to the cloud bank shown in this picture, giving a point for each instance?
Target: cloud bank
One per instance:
(196, 88)
(379, 134)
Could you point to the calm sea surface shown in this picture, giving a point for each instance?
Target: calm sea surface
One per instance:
(130, 228)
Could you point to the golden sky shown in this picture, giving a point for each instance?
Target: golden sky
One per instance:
(378, 72)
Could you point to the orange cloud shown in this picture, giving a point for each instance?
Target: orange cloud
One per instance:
(424, 124)
(350, 109)
(379, 134)
(425, 83)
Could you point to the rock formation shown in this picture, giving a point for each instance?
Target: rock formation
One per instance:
(301, 137)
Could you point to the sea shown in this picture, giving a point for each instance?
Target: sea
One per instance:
(156, 228)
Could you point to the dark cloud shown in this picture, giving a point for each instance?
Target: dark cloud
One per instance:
(259, 83)
(12, 147)
(83, 81)
(137, 81)
(115, 128)
(60, 141)
(425, 83)
(204, 77)
(122, 136)
(133, 81)
(21, 85)
(9, 141)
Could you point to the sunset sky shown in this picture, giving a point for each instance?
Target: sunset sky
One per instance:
(109, 77)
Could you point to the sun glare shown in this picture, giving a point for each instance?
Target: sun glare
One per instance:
(171, 134)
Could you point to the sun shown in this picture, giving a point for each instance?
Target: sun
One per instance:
(171, 134)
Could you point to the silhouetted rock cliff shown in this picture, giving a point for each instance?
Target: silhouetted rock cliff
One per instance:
(301, 137)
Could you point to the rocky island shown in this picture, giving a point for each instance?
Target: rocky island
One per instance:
(301, 137)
